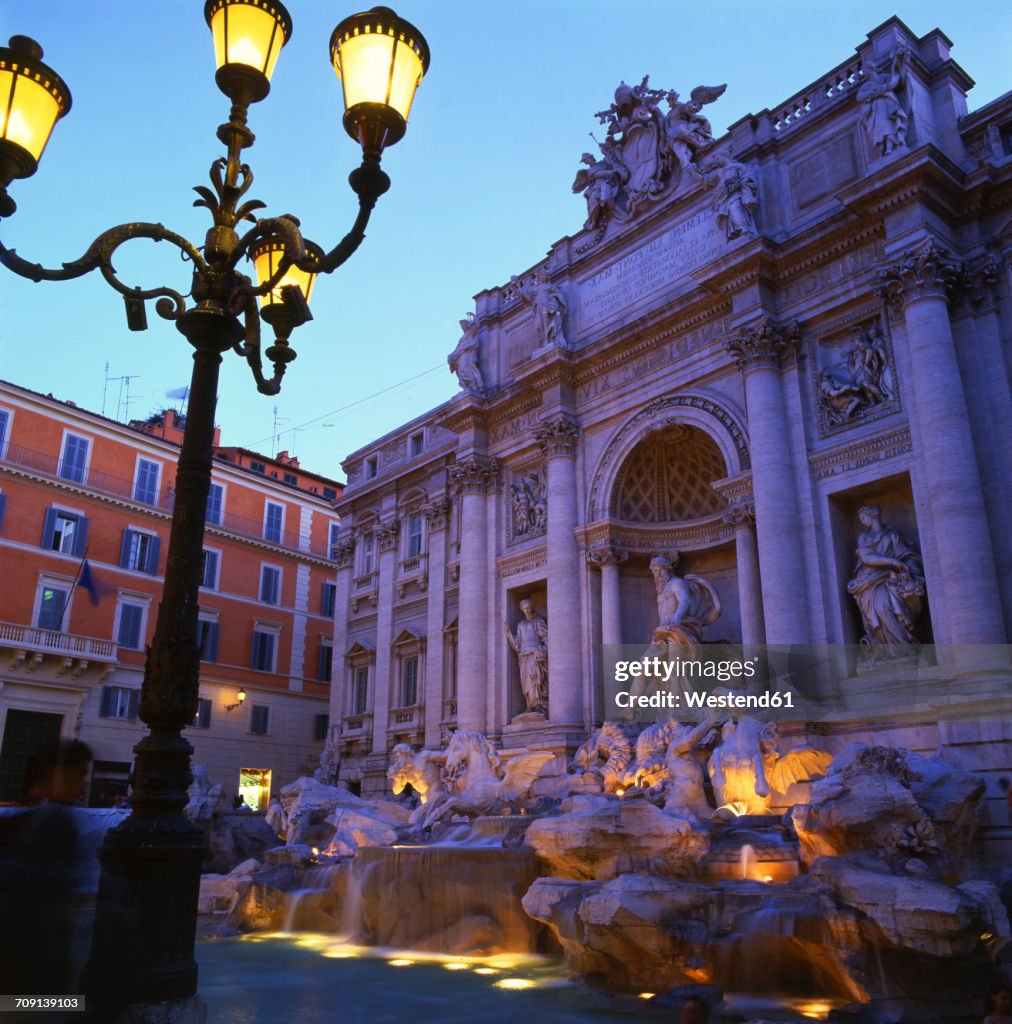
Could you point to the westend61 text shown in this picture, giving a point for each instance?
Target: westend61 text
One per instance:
(703, 699)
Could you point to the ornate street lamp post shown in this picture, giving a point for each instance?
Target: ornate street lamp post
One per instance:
(146, 921)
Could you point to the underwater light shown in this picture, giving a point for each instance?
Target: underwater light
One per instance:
(400, 963)
(515, 983)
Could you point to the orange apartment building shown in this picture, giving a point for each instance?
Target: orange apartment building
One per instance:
(72, 483)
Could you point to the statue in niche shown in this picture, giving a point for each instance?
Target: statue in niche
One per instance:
(888, 586)
(737, 195)
(463, 359)
(687, 132)
(686, 605)
(600, 182)
(530, 505)
(549, 305)
(861, 381)
(884, 117)
(530, 644)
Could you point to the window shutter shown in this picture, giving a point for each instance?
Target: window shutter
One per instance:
(211, 645)
(259, 719)
(48, 528)
(203, 719)
(3, 504)
(108, 708)
(320, 723)
(124, 551)
(81, 536)
(153, 548)
(135, 699)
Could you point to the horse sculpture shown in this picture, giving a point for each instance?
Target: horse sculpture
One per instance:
(649, 769)
(605, 757)
(479, 783)
(423, 771)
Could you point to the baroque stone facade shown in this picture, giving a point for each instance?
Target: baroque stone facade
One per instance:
(753, 339)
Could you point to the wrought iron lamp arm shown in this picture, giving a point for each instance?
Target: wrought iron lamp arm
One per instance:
(99, 257)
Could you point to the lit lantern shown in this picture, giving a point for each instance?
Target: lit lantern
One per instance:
(248, 36)
(266, 255)
(32, 98)
(380, 60)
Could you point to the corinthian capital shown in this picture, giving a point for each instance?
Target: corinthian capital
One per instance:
(741, 514)
(473, 474)
(928, 270)
(342, 552)
(437, 513)
(557, 435)
(387, 534)
(606, 555)
(764, 345)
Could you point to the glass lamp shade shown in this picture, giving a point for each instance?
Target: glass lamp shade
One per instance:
(32, 98)
(380, 60)
(266, 256)
(248, 36)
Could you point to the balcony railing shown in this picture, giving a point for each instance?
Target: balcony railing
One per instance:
(106, 483)
(48, 641)
(119, 487)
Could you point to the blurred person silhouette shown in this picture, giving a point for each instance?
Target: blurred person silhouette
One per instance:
(999, 1004)
(695, 1011)
(39, 867)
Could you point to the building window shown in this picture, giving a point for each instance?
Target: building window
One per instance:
(257, 467)
(321, 723)
(368, 547)
(3, 505)
(325, 661)
(371, 467)
(5, 421)
(361, 694)
(208, 631)
(334, 535)
(416, 524)
(119, 702)
(64, 531)
(417, 443)
(215, 504)
(330, 493)
(270, 584)
(264, 650)
(409, 682)
(255, 787)
(146, 484)
(274, 521)
(129, 633)
(328, 599)
(202, 719)
(52, 605)
(209, 570)
(139, 551)
(259, 719)
(74, 461)
(290, 479)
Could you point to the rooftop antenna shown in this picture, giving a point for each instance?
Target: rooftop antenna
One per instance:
(122, 405)
(276, 436)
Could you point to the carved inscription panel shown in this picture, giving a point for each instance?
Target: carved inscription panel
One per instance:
(675, 253)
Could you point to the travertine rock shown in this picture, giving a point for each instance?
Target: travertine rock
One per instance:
(601, 837)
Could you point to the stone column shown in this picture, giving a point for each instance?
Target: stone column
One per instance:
(750, 597)
(344, 554)
(386, 534)
(437, 516)
(608, 560)
(471, 476)
(920, 283)
(759, 351)
(557, 439)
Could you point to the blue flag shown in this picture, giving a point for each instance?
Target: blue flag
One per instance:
(96, 588)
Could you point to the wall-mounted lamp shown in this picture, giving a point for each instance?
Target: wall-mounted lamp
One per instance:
(239, 698)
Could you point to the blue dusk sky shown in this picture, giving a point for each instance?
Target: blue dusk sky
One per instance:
(481, 182)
